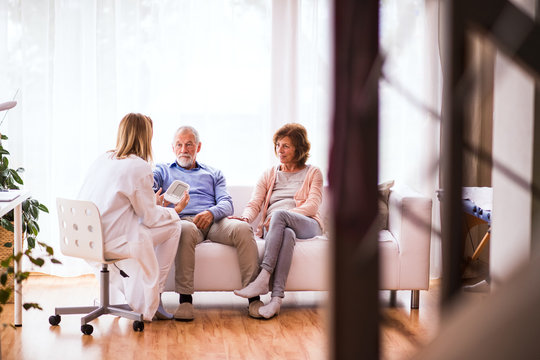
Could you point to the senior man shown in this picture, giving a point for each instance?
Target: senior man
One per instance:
(205, 217)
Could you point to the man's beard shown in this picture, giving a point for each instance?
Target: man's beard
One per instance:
(185, 160)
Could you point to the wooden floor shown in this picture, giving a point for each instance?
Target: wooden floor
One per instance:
(221, 330)
(405, 330)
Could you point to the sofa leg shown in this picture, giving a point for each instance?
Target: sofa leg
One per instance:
(393, 297)
(415, 299)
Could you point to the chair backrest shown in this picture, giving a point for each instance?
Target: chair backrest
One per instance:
(80, 229)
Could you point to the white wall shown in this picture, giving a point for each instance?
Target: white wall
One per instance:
(513, 148)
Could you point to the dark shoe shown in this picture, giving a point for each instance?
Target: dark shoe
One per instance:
(184, 312)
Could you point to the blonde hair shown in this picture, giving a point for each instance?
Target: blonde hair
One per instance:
(134, 137)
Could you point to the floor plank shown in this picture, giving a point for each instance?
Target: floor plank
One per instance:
(221, 330)
(405, 330)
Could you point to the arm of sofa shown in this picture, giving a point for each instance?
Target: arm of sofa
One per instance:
(409, 221)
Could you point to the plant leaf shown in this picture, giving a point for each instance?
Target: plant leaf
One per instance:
(39, 261)
(5, 263)
(28, 306)
(16, 176)
(8, 225)
(31, 241)
(4, 295)
(4, 164)
(33, 227)
(34, 211)
(21, 276)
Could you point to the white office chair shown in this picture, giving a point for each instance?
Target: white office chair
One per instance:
(81, 236)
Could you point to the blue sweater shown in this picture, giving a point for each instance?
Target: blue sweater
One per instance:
(207, 188)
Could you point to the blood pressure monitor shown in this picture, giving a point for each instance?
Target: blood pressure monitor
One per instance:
(175, 192)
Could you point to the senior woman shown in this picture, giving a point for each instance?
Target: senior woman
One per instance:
(135, 226)
(288, 196)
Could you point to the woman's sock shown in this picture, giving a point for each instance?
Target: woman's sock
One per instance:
(259, 286)
(267, 311)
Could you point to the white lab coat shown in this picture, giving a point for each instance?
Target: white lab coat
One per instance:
(135, 228)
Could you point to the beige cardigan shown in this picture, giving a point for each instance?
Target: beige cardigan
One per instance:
(308, 198)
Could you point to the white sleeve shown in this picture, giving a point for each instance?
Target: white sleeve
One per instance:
(143, 201)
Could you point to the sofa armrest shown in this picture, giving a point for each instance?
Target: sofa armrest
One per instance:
(409, 221)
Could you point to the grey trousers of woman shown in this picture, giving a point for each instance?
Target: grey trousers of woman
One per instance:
(285, 227)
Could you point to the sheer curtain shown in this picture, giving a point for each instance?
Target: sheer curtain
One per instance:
(410, 101)
(227, 67)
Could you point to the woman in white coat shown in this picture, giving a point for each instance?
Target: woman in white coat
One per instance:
(135, 226)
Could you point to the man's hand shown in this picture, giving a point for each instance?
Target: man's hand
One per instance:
(203, 220)
(182, 203)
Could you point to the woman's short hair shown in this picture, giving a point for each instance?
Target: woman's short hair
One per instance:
(298, 135)
(134, 137)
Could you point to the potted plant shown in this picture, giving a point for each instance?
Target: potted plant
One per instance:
(31, 208)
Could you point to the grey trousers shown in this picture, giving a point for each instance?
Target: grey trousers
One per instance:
(285, 227)
(225, 231)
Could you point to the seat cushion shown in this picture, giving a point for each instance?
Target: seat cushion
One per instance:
(217, 269)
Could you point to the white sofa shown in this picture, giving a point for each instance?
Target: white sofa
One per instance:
(404, 251)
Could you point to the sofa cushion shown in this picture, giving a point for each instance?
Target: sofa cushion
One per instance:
(382, 217)
(217, 269)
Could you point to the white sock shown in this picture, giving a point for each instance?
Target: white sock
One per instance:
(259, 286)
(267, 311)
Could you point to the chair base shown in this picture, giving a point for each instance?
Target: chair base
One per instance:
(93, 312)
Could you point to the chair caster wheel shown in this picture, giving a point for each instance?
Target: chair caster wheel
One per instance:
(54, 319)
(138, 325)
(87, 329)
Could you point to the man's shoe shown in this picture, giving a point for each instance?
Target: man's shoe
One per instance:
(253, 309)
(184, 312)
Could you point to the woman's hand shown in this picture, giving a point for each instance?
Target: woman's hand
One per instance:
(267, 223)
(183, 203)
(241, 218)
(159, 197)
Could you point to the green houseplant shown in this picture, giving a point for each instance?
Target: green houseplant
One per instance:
(31, 209)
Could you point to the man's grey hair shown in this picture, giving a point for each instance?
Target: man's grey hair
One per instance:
(187, 128)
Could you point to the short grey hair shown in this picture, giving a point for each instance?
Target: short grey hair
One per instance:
(187, 128)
